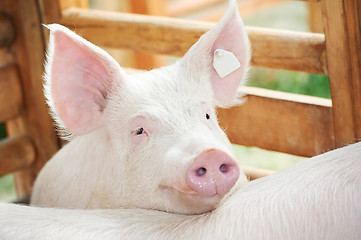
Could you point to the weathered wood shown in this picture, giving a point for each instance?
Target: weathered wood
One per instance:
(7, 33)
(288, 50)
(16, 153)
(180, 7)
(50, 11)
(342, 30)
(34, 121)
(283, 122)
(11, 100)
(64, 4)
(315, 17)
(255, 173)
(271, 48)
(246, 8)
(156, 8)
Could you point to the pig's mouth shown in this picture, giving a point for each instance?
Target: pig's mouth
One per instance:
(185, 200)
(184, 189)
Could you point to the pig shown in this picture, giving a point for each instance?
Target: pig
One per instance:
(319, 198)
(145, 140)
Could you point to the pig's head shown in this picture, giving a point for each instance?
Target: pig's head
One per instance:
(167, 149)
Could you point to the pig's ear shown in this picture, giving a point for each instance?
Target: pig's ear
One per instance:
(225, 47)
(78, 78)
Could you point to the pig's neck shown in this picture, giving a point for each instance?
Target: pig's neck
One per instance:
(91, 153)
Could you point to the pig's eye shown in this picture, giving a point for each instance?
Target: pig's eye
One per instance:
(139, 131)
(208, 116)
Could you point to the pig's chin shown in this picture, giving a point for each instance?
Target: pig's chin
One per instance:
(188, 201)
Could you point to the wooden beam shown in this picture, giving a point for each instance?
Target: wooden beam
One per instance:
(315, 17)
(180, 8)
(64, 4)
(16, 153)
(155, 8)
(342, 30)
(50, 11)
(271, 48)
(246, 8)
(7, 32)
(283, 122)
(11, 99)
(295, 51)
(34, 120)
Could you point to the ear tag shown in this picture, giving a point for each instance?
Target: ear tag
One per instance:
(225, 62)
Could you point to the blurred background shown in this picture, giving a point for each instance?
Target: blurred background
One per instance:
(276, 14)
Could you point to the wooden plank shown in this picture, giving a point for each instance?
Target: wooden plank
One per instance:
(353, 22)
(246, 8)
(283, 122)
(271, 48)
(16, 153)
(7, 33)
(288, 50)
(342, 31)
(315, 17)
(64, 4)
(181, 7)
(156, 8)
(11, 100)
(50, 11)
(28, 50)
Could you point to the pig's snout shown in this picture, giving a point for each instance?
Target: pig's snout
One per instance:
(212, 172)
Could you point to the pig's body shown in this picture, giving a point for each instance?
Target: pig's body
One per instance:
(319, 198)
(149, 140)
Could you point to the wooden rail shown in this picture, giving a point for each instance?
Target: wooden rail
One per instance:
(283, 122)
(7, 32)
(213, 10)
(179, 8)
(16, 153)
(10, 93)
(271, 48)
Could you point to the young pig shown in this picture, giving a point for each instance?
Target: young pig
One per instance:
(149, 140)
(319, 198)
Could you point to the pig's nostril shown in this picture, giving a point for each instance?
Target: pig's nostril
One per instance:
(201, 171)
(223, 168)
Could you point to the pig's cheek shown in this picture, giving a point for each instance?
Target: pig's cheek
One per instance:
(139, 141)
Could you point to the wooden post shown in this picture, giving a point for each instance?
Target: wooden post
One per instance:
(33, 121)
(124, 57)
(343, 47)
(64, 4)
(7, 33)
(156, 8)
(315, 17)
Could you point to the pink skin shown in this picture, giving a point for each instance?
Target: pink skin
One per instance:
(213, 172)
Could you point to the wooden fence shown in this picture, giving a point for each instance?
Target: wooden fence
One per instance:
(283, 122)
